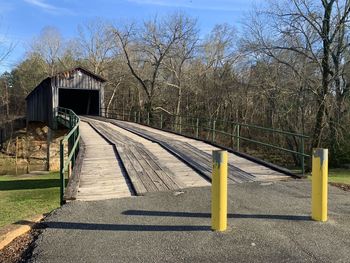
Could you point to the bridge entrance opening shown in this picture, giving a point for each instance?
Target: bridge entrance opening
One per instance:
(81, 101)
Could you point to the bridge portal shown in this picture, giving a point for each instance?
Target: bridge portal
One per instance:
(81, 101)
(77, 89)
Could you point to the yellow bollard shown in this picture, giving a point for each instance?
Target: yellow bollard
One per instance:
(219, 191)
(319, 184)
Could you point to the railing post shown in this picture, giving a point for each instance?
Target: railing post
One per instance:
(71, 119)
(180, 124)
(78, 133)
(197, 128)
(161, 120)
(302, 158)
(174, 124)
(62, 182)
(213, 134)
(139, 117)
(135, 116)
(319, 184)
(148, 118)
(123, 114)
(219, 191)
(237, 137)
(232, 136)
(1, 138)
(74, 138)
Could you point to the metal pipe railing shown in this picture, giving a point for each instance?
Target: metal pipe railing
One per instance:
(69, 119)
(179, 123)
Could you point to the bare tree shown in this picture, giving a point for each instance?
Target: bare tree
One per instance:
(5, 50)
(96, 44)
(49, 46)
(146, 48)
(177, 62)
(218, 54)
(311, 31)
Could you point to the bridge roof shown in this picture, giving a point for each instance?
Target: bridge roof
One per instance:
(67, 73)
(88, 72)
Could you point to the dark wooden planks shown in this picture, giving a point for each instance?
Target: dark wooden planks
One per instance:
(133, 173)
(145, 171)
(190, 154)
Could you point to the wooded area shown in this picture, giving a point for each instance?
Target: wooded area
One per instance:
(286, 68)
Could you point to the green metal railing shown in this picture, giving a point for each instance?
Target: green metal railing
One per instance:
(70, 120)
(210, 130)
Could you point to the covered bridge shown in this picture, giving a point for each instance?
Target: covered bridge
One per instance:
(77, 89)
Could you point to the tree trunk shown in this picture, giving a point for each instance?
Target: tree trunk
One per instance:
(111, 99)
(317, 135)
(178, 106)
(7, 100)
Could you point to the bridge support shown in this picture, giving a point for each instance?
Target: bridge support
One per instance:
(319, 184)
(219, 191)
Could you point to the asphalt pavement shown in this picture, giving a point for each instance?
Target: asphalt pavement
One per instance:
(267, 222)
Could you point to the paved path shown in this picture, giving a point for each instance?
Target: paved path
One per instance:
(268, 222)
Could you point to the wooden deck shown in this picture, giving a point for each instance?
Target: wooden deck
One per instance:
(122, 159)
(149, 166)
(101, 174)
(198, 153)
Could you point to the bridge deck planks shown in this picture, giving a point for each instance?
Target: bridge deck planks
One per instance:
(101, 177)
(182, 173)
(146, 171)
(149, 166)
(192, 155)
(241, 168)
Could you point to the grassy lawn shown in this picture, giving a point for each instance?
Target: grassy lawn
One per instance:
(22, 197)
(339, 176)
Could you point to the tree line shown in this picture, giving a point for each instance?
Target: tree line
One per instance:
(286, 68)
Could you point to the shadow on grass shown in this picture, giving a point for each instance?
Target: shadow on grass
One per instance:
(208, 215)
(29, 184)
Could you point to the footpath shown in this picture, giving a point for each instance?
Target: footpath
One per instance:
(268, 222)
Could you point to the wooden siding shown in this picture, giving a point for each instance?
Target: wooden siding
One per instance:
(77, 80)
(44, 99)
(39, 103)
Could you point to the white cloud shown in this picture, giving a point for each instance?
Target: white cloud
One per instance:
(48, 7)
(223, 5)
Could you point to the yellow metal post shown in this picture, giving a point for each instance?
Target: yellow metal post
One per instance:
(319, 184)
(219, 191)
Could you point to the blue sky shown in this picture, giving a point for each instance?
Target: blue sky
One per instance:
(21, 20)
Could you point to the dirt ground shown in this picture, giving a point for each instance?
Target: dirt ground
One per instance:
(345, 187)
(20, 249)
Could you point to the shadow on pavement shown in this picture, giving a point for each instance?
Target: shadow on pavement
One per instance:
(122, 227)
(208, 215)
(162, 228)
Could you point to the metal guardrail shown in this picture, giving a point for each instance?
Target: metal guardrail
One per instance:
(70, 120)
(175, 123)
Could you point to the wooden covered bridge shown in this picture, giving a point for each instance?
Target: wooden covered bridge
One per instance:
(113, 158)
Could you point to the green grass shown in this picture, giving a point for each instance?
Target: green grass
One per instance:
(339, 176)
(24, 197)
